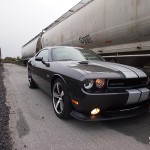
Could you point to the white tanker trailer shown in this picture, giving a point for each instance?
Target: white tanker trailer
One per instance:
(119, 30)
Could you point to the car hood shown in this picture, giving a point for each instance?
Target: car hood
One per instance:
(104, 69)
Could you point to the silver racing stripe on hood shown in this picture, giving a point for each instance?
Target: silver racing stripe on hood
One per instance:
(128, 73)
(101, 64)
(139, 72)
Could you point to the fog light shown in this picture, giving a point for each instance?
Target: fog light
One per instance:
(95, 111)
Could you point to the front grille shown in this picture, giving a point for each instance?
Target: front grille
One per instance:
(127, 83)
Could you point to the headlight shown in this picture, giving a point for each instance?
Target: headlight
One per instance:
(88, 84)
(94, 83)
(100, 83)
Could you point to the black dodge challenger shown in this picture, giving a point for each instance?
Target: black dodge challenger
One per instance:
(85, 86)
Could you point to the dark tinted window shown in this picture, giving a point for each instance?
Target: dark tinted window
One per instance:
(44, 54)
(76, 54)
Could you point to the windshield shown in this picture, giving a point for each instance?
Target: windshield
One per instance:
(74, 54)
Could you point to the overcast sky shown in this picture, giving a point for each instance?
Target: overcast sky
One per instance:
(21, 20)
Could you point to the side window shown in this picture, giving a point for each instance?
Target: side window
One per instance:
(44, 54)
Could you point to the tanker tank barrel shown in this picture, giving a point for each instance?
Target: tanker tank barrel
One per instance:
(106, 26)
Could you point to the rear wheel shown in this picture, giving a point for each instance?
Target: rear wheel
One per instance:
(31, 82)
(61, 102)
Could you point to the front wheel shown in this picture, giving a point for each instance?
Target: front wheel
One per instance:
(61, 102)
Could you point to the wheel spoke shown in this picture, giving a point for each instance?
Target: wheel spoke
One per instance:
(58, 90)
(61, 105)
(57, 104)
(62, 94)
(56, 95)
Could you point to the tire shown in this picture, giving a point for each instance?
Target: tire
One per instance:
(31, 82)
(61, 101)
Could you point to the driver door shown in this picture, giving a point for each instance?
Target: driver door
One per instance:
(41, 72)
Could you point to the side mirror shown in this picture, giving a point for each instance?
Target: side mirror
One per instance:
(47, 64)
(41, 59)
(38, 58)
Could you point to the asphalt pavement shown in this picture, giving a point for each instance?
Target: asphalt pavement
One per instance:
(34, 125)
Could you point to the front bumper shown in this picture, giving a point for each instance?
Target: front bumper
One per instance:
(114, 114)
(116, 105)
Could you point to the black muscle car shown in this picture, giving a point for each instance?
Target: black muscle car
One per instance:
(85, 86)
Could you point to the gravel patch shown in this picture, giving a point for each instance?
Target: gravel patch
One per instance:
(5, 139)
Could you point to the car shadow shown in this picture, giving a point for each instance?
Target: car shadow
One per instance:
(136, 127)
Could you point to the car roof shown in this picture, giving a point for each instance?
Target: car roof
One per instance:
(62, 47)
